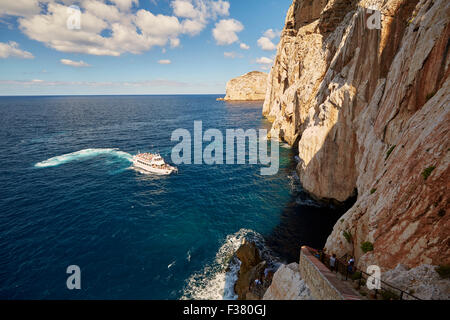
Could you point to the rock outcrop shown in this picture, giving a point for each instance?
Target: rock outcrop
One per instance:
(252, 269)
(287, 284)
(423, 282)
(368, 106)
(249, 87)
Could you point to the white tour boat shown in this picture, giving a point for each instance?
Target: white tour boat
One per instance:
(153, 163)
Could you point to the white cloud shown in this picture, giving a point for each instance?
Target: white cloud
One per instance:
(243, 46)
(225, 31)
(271, 34)
(231, 55)
(165, 61)
(72, 63)
(266, 44)
(174, 42)
(11, 49)
(111, 27)
(51, 29)
(220, 8)
(125, 4)
(184, 9)
(192, 27)
(102, 10)
(200, 10)
(197, 13)
(19, 8)
(264, 60)
(157, 25)
(266, 63)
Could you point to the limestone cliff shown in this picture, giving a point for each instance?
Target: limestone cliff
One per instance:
(368, 107)
(251, 86)
(287, 284)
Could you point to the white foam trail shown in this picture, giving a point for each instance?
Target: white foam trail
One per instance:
(215, 282)
(82, 155)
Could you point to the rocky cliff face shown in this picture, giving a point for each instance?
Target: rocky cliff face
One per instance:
(251, 86)
(369, 109)
(287, 284)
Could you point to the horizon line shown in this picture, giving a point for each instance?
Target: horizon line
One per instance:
(119, 94)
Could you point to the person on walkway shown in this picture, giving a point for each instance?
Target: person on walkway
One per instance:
(322, 255)
(351, 266)
(333, 262)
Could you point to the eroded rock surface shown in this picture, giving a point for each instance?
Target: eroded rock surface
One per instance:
(287, 284)
(249, 87)
(370, 111)
(423, 281)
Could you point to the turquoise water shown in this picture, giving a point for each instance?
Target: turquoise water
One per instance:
(68, 196)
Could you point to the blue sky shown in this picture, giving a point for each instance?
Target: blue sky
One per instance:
(134, 46)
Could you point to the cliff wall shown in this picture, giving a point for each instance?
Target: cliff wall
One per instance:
(368, 107)
(248, 87)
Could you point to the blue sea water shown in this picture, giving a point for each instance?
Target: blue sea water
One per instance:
(69, 197)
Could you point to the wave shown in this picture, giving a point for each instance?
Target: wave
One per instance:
(82, 155)
(216, 280)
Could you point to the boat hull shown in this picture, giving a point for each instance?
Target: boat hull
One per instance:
(153, 170)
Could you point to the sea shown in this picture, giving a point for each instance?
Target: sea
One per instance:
(69, 196)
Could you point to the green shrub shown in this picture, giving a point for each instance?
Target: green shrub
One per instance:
(388, 153)
(444, 271)
(372, 191)
(342, 220)
(427, 171)
(367, 246)
(356, 275)
(389, 295)
(348, 236)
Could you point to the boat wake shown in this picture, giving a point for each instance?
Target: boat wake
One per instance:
(83, 155)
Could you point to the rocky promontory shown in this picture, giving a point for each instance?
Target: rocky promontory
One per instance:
(248, 87)
(252, 280)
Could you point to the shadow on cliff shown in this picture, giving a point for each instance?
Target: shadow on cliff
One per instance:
(303, 221)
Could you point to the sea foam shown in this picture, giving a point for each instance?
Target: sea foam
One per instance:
(216, 280)
(82, 155)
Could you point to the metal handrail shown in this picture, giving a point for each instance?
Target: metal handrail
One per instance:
(325, 258)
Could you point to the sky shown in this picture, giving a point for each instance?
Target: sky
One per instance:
(64, 47)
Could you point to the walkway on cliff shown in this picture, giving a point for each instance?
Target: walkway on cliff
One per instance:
(340, 284)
